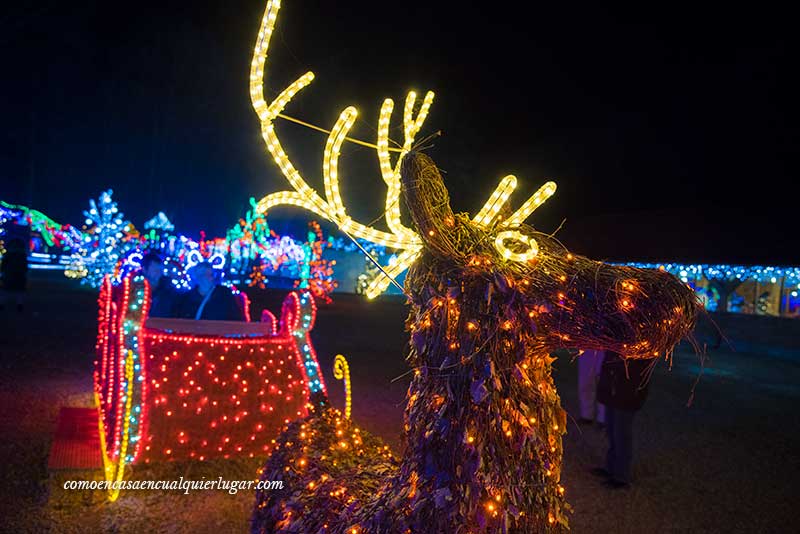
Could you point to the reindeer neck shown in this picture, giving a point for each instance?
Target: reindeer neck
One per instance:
(471, 443)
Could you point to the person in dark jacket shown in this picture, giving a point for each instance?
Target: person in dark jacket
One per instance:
(622, 388)
(163, 294)
(14, 271)
(209, 300)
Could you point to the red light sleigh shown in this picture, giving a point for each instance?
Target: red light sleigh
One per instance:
(170, 389)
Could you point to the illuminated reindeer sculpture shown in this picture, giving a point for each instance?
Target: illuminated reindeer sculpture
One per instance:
(490, 300)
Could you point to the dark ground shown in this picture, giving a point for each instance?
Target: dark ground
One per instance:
(728, 463)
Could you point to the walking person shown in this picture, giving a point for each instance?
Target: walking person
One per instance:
(14, 272)
(589, 364)
(622, 389)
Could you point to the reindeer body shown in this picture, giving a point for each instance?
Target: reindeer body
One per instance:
(490, 300)
(483, 422)
(482, 443)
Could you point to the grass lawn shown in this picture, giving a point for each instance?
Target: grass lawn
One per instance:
(728, 463)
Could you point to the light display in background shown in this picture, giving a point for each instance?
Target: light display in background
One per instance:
(254, 253)
(46, 235)
(251, 238)
(160, 223)
(110, 245)
(371, 271)
(317, 271)
(103, 240)
(755, 289)
(168, 396)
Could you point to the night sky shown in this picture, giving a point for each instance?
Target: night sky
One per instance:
(668, 130)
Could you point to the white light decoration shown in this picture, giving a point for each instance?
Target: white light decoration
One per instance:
(332, 207)
(102, 245)
(194, 257)
(159, 222)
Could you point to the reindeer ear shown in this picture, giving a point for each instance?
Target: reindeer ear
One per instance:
(427, 201)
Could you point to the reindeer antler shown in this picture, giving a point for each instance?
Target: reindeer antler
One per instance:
(331, 207)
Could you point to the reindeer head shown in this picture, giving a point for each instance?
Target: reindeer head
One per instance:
(541, 292)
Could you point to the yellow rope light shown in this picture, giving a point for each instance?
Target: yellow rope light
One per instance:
(330, 161)
(383, 279)
(530, 205)
(496, 201)
(341, 371)
(114, 473)
(392, 175)
(499, 243)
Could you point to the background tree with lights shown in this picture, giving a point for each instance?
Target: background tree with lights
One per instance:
(103, 241)
(317, 272)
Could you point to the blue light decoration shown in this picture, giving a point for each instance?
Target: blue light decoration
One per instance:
(709, 296)
(130, 262)
(281, 254)
(8, 215)
(160, 223)
(716, 283)
(756, 273)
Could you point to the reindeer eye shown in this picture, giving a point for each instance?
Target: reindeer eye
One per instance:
(518, 237)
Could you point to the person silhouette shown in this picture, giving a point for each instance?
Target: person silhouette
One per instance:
(622, 388)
